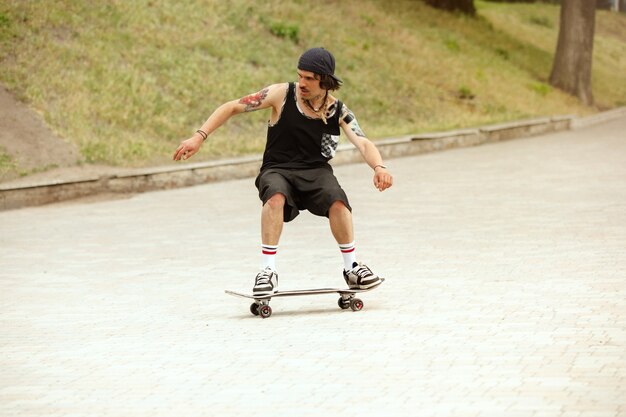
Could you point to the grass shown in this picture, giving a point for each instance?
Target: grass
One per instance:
(7, 163)
(126, 81)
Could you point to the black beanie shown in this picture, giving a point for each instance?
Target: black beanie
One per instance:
(320, 61)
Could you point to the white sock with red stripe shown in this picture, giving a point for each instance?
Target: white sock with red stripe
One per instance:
(348, 251)
(269, 256)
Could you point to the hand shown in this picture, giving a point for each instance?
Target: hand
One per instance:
(382, 179)
(188, 148)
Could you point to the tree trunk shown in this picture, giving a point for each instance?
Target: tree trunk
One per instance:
(571, 70)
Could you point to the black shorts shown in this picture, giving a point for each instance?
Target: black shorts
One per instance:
(314, 189)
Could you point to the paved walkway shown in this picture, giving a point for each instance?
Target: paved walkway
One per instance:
(505, 295)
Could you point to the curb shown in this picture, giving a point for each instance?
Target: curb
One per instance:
(595, 119)
(174, 176)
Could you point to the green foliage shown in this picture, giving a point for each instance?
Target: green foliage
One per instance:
(541, 88)
(5, 21)
(286, 30)
(368, 20)
(541, 21)
(95, 152)
(465, 93)
(7, 163)
(126, 81)
(503, 53)
(452, 44)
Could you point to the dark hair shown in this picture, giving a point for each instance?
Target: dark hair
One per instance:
(328, 83)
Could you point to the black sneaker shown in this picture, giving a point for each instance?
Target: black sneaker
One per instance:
(361, 277)
(266, 282)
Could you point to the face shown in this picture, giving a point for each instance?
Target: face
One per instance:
(309, 84)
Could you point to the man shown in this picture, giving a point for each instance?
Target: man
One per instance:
(303, 133)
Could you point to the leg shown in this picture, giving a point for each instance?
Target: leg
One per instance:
(266, 282)
(340, 219)
(341, 222)
(272, 217)
(357, 275)
(275, 192)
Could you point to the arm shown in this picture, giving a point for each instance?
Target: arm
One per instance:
(371, 155)
(271, 96)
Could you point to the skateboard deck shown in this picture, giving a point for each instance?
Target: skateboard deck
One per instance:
(261, 307)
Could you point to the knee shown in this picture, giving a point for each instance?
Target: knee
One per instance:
(338, 207)
(276, 202)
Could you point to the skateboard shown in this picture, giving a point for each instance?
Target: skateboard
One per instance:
(347, 299)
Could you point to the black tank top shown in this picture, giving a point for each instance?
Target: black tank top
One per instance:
(300, 142)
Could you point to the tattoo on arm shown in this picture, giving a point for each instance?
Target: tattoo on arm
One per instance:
(357, 129)
(349, 118)
(254, 101)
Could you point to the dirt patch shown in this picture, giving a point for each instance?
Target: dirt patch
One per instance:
(28, 144)
(31, 154)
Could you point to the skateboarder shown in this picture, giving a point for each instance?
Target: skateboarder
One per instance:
(302, 136)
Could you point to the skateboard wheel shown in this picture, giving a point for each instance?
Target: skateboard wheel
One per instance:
(254, 309)
(265, 311)
(356, 304)
(343, 304)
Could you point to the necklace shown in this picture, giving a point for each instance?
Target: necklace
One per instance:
(310, 106)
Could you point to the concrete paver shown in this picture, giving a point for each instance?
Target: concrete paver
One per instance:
(505, 295)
